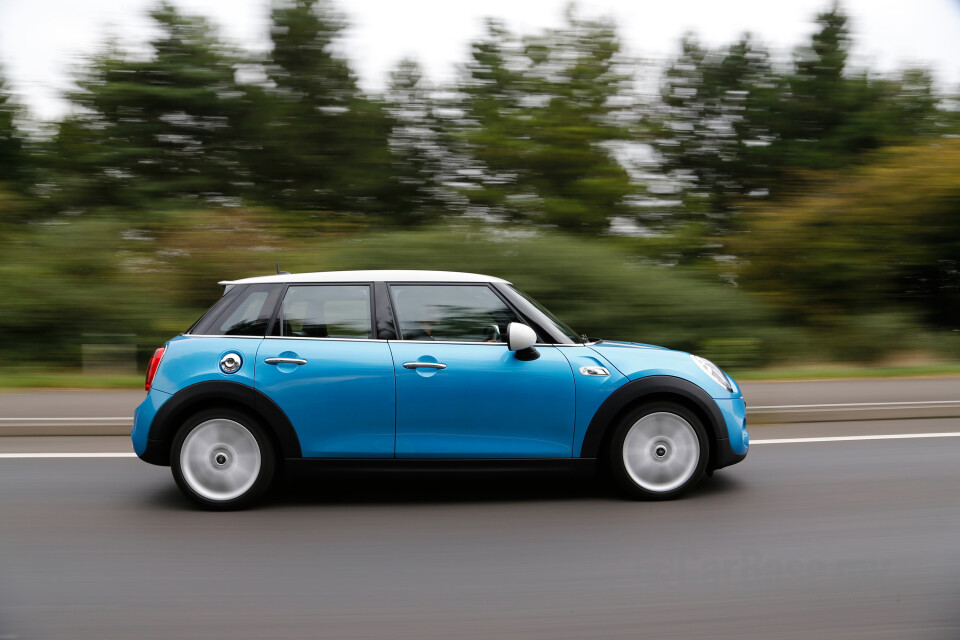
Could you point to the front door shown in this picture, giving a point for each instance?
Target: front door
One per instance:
(461, 393)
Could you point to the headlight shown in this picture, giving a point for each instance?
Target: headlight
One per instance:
(713, 371)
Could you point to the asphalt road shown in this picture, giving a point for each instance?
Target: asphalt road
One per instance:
(853, 539)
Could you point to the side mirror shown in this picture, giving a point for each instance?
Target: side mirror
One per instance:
(521, 338)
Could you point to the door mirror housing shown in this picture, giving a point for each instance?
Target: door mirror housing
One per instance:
(521, 338)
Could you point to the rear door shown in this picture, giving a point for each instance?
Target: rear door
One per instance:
(328, 374)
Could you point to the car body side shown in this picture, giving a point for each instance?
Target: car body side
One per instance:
(189, 380)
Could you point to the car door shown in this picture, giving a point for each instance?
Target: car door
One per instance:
(327, 373)
(461, 393)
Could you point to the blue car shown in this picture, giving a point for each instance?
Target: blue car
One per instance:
(422, 369)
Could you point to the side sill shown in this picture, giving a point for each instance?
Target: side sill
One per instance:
(444, 464)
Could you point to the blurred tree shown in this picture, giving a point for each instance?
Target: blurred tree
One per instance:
(540, 120)
(321, 145)
(883, 238)
(831, 115)
(733, 128)
(12, 158)
(420, 148)
(717, 127)
(148, 130)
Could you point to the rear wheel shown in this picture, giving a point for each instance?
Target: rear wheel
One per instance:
(659, 451)
(222, 459)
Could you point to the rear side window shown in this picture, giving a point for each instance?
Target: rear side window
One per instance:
(326, 311)
(246, 315)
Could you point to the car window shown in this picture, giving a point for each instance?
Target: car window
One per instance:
(326, 311)
(247, 315)
(558, 324)
(455, 313)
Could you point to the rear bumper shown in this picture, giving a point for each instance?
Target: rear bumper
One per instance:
(143, 418)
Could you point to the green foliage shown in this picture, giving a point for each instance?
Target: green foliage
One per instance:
(61, 281)
(157, 129)
(732, 129)
(12, 163)
(716, 127)
(539, 114)
(421, 151)
(882, 238)
(170, 174)
(319, 145)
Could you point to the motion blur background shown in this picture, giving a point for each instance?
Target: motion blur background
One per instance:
(761, 203)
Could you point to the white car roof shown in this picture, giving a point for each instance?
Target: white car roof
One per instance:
(388, 275)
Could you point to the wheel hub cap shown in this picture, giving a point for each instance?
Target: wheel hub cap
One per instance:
(661, 451)
(220, 459)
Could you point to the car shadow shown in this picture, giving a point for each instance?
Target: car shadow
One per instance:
(311, 487)
(305, 487)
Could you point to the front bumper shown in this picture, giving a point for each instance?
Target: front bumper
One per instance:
(733, 445)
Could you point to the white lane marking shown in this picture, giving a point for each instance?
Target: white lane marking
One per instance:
(104, 454)
(891, 436)
(853, 405)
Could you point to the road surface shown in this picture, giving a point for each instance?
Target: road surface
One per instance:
(849, 539)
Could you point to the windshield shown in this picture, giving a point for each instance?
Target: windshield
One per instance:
(557, 323)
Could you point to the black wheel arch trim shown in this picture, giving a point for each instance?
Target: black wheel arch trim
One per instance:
(649, 388)
(196, 397)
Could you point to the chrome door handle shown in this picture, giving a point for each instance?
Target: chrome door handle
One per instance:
(285, 361)
(424, 365)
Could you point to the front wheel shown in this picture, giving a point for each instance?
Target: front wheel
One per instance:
(222, 459)
(659, 451)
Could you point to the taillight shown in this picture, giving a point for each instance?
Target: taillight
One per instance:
(152, 367)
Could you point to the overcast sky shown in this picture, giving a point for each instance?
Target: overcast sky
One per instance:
(41, 40)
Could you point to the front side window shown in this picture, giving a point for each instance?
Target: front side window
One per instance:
(326, 311)
(558, 324)
(453, 313)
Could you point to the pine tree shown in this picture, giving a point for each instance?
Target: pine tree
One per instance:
(322, 145)
(540, 119)
(148, 131)
(11, 143)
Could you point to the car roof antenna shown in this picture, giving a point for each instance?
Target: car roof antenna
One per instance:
(281, 273)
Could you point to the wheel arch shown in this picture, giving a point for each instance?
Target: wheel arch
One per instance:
(647, 390)
(203, 395)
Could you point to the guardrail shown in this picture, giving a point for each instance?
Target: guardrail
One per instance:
(843, 412)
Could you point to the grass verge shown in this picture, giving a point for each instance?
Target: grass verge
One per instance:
(12, 380)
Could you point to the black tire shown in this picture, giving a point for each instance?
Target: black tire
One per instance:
(223, 459)
(668, 452)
